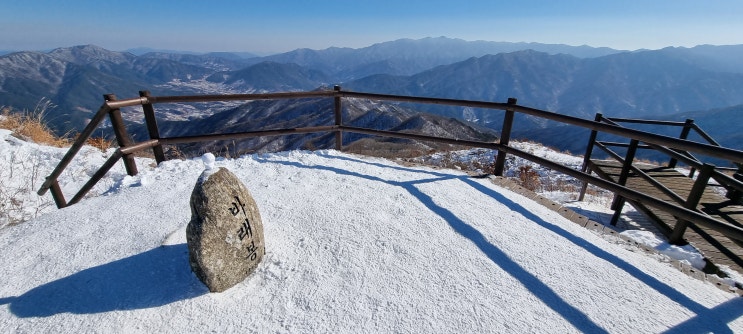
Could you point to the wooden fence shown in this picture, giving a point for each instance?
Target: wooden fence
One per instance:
(127, 148)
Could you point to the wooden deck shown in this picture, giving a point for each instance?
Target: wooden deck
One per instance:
(717, 248)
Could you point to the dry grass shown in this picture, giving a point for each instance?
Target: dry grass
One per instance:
(31, 126)
(16, 206)
(100, 143)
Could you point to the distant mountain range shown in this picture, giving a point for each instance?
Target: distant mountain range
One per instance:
(272, 76)
(571, 80)
(642, 84)
(232, 55)
(408, 56)
(75, 78)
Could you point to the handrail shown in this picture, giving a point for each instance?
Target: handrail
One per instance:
(707, 171)
(645, 121)
(722, 178)
(684, 156)
(704, 135)
(706, 149)
(710, 150)
(609, 143)
(689, 123)
(644, 175)
(215, 98)
(649, 138)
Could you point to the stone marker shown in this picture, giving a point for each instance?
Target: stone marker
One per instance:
(225, 234)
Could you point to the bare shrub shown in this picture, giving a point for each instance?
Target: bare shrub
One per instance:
(17, 201)
(173, 152)
(559, 184)
(529, 178)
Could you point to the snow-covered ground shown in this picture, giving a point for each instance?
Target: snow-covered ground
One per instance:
(353, 244)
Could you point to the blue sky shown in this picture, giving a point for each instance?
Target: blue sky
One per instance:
(276, 26)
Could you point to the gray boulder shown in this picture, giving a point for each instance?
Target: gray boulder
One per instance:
(225, 234)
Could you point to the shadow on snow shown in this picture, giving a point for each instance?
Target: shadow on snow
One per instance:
(162, 275)
(714, 319)
(496, 255)
(154, 278)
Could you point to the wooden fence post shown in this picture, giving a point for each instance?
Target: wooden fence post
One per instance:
(618, 203)
(152, 129)
(587, 156)
(338, 119)
(684, 134)
(505, 137)
(122, 138)
(695, 195)
(57, 195)
(734, 194)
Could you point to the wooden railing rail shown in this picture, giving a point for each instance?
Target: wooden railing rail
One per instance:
(686, 157)
(708, 171)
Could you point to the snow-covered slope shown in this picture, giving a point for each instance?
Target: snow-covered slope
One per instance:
(353, 245)
(24, 167)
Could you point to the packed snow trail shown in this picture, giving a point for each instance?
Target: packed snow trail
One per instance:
(353, 245)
